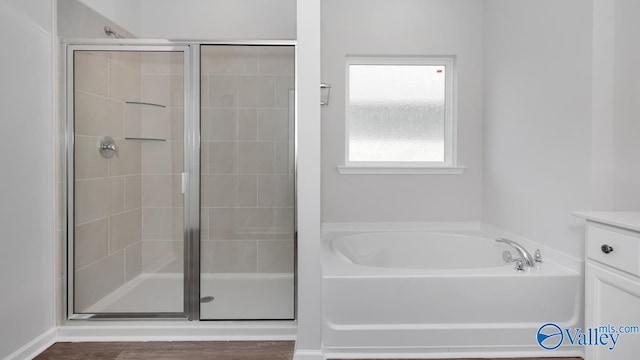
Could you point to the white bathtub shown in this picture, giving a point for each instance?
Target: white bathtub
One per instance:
(435, 294)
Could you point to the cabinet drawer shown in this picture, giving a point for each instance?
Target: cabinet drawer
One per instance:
(626, 248)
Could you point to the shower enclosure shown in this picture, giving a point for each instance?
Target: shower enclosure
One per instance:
(181, 181)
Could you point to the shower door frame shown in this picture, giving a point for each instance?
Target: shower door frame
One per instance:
(191, 176)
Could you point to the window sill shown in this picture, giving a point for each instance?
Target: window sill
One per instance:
(399, 170)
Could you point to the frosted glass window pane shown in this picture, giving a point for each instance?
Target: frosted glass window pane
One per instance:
(396, 112)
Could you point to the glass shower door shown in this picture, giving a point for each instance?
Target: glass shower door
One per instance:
(247, 182)
(126, 201)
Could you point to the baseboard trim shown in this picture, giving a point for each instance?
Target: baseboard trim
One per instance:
(308, 355)
(453, 353)
(35, 346)
(175, 331)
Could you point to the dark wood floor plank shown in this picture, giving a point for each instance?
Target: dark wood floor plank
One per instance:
(75, 351)
(196, 350)
(191, 350)
(233, 350)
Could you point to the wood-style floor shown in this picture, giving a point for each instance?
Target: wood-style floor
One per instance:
(191, 350)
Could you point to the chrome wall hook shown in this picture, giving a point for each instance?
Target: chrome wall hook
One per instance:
(325, 91)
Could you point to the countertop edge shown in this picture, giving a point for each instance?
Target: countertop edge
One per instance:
(623, 219)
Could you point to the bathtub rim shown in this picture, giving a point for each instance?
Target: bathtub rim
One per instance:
(333, 230)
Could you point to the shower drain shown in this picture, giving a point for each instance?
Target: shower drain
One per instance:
(206, 299)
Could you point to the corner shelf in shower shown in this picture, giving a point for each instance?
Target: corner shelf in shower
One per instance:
(144, 139)
(145, 104)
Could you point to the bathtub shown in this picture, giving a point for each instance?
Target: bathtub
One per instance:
(439, 294)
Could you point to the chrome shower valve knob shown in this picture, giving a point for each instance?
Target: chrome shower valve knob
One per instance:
(107, 147)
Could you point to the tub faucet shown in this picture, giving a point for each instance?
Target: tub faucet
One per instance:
(524, 254)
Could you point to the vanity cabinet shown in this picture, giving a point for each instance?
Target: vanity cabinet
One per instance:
(612, 284)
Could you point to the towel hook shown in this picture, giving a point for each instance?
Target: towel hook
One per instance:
(325, 91)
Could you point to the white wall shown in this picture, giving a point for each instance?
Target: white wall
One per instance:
(309, 286)
(77, 20)
(125, 13)
(602, 104)
(183, 20)
(538, 118)
(218, 19)
(626, 126)
(27, 158)
(403, 27)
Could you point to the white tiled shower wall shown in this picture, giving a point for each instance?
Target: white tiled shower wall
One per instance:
(128, 209)
(107, 206)
(162, 161)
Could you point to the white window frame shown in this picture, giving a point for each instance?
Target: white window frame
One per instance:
(449, 165)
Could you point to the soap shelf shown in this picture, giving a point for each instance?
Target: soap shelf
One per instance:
(146, 103)
(144, 139)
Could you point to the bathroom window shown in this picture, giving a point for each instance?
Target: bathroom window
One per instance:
(400, 116)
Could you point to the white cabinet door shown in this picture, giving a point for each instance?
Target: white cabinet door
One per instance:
(612, 299)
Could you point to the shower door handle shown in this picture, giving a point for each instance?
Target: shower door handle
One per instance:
(185, 179)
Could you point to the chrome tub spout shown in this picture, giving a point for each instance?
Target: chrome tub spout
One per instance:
(527, 258)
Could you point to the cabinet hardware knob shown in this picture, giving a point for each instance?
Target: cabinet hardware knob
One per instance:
(606, 248)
